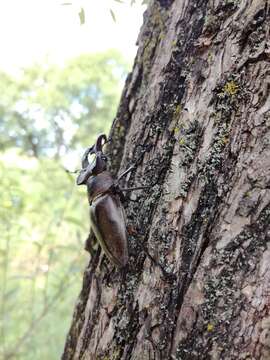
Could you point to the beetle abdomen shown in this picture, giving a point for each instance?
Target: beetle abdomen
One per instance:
(108, 223)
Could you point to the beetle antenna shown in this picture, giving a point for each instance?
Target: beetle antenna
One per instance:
(99, 143)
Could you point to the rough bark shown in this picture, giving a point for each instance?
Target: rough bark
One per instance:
(199, 95)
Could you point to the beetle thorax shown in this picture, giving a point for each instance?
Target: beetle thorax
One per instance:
(99, 184)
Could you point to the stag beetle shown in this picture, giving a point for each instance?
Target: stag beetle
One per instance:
(106, 210)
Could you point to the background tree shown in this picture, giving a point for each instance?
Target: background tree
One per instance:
(50, 110)
(199, 95)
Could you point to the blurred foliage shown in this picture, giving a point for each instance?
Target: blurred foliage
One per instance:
(47, 111)
(43, 226)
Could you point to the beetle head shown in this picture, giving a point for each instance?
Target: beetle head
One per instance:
(98, 165)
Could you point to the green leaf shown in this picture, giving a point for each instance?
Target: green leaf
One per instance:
(113, 15)
(119, 1)
(66, 3)
(145, 2)
(82, 16)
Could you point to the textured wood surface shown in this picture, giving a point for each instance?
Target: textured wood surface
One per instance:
(199, 95)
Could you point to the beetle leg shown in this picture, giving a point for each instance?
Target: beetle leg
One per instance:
(126, 172)
(167, 275)
(116, 189)
(89, 242)
(135, 164)
(136, 188)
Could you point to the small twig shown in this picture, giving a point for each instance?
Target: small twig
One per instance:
(165, 273)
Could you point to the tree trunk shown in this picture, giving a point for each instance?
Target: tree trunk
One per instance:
(198, 101)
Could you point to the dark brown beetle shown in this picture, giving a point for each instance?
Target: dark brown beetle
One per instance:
(106, 211)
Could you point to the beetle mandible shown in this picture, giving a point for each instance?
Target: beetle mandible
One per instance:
(106, 211)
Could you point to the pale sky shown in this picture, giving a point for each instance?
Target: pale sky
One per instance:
(31, 30)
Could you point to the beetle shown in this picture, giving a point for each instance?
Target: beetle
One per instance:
(106, 211)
